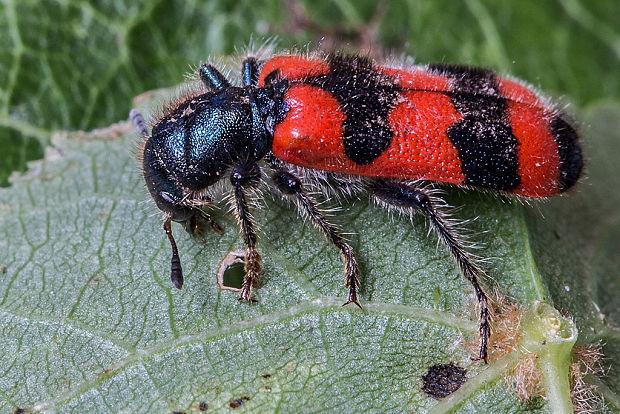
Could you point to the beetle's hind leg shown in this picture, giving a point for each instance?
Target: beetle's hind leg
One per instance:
(406, 198)
(292, 186)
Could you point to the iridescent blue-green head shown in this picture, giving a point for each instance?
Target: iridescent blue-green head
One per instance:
(195, 144)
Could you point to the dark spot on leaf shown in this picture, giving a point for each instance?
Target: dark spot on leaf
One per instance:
(203, 406)
(19, 410)
(3, 269)
(442, 380)
(266, 376)
(238, 402)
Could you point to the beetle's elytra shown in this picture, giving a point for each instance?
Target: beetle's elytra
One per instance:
(344, 125)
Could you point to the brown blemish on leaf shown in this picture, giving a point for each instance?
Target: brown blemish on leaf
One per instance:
(588, 360)
(238, 402)
(525, 378)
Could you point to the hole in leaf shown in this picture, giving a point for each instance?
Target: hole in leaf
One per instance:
(233, 276)
(231, 271)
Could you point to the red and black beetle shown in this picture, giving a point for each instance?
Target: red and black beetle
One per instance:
(345, 126)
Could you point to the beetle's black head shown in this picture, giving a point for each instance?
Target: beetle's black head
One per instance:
(195, 145)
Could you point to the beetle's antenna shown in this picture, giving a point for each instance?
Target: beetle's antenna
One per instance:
(138, 122)
(176, 272)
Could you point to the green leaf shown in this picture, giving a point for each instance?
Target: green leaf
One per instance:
(91, 323)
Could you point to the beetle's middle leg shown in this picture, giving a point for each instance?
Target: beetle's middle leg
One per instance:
(290, 185)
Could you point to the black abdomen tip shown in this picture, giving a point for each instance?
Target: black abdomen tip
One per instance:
(569, 150)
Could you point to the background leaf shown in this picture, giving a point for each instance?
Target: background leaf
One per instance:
(88, 319)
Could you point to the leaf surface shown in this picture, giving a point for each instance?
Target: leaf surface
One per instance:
(90, 321)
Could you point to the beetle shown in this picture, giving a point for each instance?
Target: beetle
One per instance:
(347, 126)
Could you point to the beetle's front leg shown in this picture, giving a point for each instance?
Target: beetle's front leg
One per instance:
(243, 177)
(192, 226)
